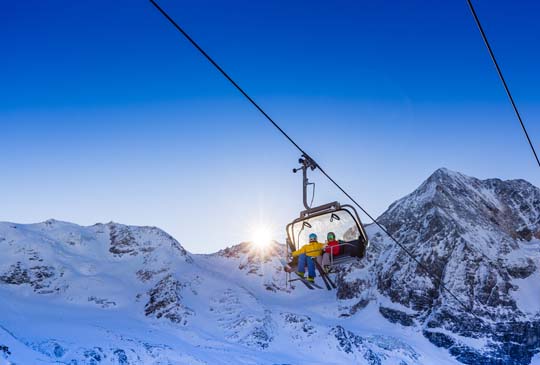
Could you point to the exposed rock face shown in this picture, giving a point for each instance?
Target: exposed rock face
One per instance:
(396, 316)
(4, 351)
(133, 241)
(473, 234)
(299, 324)
(165, 300)
(40, 278)
(367, 350)
(122, 242)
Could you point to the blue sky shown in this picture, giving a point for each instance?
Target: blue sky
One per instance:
(108, 114)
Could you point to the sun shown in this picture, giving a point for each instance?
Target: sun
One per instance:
(261, 236)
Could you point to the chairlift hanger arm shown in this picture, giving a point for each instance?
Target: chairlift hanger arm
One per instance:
(306, 163)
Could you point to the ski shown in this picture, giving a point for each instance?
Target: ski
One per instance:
(327, 281)
(306, 282)
(323, 276)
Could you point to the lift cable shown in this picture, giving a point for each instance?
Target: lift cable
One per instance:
(408, 252)
(503, 80)
(214, 63)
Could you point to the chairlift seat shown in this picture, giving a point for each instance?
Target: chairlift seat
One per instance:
(350, 250)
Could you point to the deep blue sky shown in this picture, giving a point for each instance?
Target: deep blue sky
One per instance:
(107, 113)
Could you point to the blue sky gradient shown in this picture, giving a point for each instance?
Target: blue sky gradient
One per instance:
(107, 113)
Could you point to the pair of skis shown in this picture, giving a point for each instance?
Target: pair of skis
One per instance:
(311, 285)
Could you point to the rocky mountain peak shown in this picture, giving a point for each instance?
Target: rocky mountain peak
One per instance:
(477, 236)
(511, 206)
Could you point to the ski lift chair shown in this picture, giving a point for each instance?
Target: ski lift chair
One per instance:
(332, 217)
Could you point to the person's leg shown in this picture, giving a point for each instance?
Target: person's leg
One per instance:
(311, 267)
(325, 259)
(302, 264)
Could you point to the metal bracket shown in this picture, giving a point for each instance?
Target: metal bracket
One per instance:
(307, 163)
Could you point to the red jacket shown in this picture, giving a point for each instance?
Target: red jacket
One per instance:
(334, 247)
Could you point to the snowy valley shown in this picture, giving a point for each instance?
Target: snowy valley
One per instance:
(116, 294)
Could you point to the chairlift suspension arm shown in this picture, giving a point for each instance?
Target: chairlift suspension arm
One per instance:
(307, 163)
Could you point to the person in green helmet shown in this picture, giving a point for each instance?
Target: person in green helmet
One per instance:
(331, 249)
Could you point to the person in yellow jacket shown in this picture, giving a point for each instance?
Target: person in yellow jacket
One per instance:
(306, 254)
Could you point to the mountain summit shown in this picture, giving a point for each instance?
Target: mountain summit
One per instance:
(116, 294)
(481, 238)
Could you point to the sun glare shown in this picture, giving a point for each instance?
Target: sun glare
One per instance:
(261, 236)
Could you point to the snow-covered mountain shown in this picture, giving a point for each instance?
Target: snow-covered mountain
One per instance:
(116, 294)
(483, 239)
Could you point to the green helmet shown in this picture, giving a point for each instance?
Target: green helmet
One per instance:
(331, 236)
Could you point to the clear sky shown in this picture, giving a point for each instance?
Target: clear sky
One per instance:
(107, 113)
